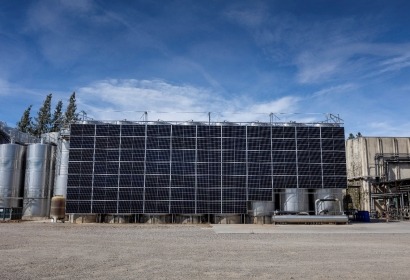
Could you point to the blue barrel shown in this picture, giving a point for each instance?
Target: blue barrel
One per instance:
(363, 216)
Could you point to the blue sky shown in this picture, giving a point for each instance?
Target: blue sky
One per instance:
(240, 60)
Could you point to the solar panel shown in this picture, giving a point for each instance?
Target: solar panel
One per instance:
(196, 169)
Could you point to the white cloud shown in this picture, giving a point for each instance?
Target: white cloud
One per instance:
(395, 64)
(4, 87)
(16, 90)
(387, 128)
(334, 90)
(128, 99)
(65, 31)
(324, 50)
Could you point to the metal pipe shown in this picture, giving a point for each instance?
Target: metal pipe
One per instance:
(323, 200)
(309, 219)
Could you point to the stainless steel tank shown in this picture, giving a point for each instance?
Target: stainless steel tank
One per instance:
(261, 208)
(12, 159)
(328, 206)
(295, 200)
(37, 181)
(61, 174)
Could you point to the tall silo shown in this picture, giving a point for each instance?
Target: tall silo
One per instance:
(57, 210)
(37, 185)
(61, 174)
(12, 157)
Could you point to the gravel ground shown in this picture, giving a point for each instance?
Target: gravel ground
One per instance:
(42, 250)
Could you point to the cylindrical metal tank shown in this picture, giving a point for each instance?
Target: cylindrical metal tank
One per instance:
(303, 219)
(37, 180)
(295, 200)
(329, 207)
(12, 161)
(261, 208)
(57, 210)
(60, 185)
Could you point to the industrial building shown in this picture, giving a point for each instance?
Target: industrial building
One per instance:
(217, 172)
(378, 173)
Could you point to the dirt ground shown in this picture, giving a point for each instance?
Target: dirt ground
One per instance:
(43, 250)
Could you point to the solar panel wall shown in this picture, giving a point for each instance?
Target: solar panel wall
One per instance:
(197, 169)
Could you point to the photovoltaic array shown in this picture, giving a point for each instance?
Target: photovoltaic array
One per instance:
(197, 169)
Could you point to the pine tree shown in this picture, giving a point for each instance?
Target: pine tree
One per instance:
(25, 123)
(70, 114)
(43, 120)
(56, 121)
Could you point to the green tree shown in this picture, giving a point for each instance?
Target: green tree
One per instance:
(57, 118)
(358, 135)
(70, 114)
(351, 136)
(25, 124)
(43, 120)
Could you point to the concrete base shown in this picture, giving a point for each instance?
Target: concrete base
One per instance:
(118, 219)
(82, 219)
(33, 218)
(188, 219)
(261, 220)
(227, 219)
(156, 219)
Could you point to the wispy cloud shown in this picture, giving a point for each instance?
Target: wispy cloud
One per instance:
(250, 17)
(4, 87)
(334, 90)
(356, 61)
(388, 128)
(10, 89)
(396, 63)
(65, 31)
(127, 99)
(324, 50)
